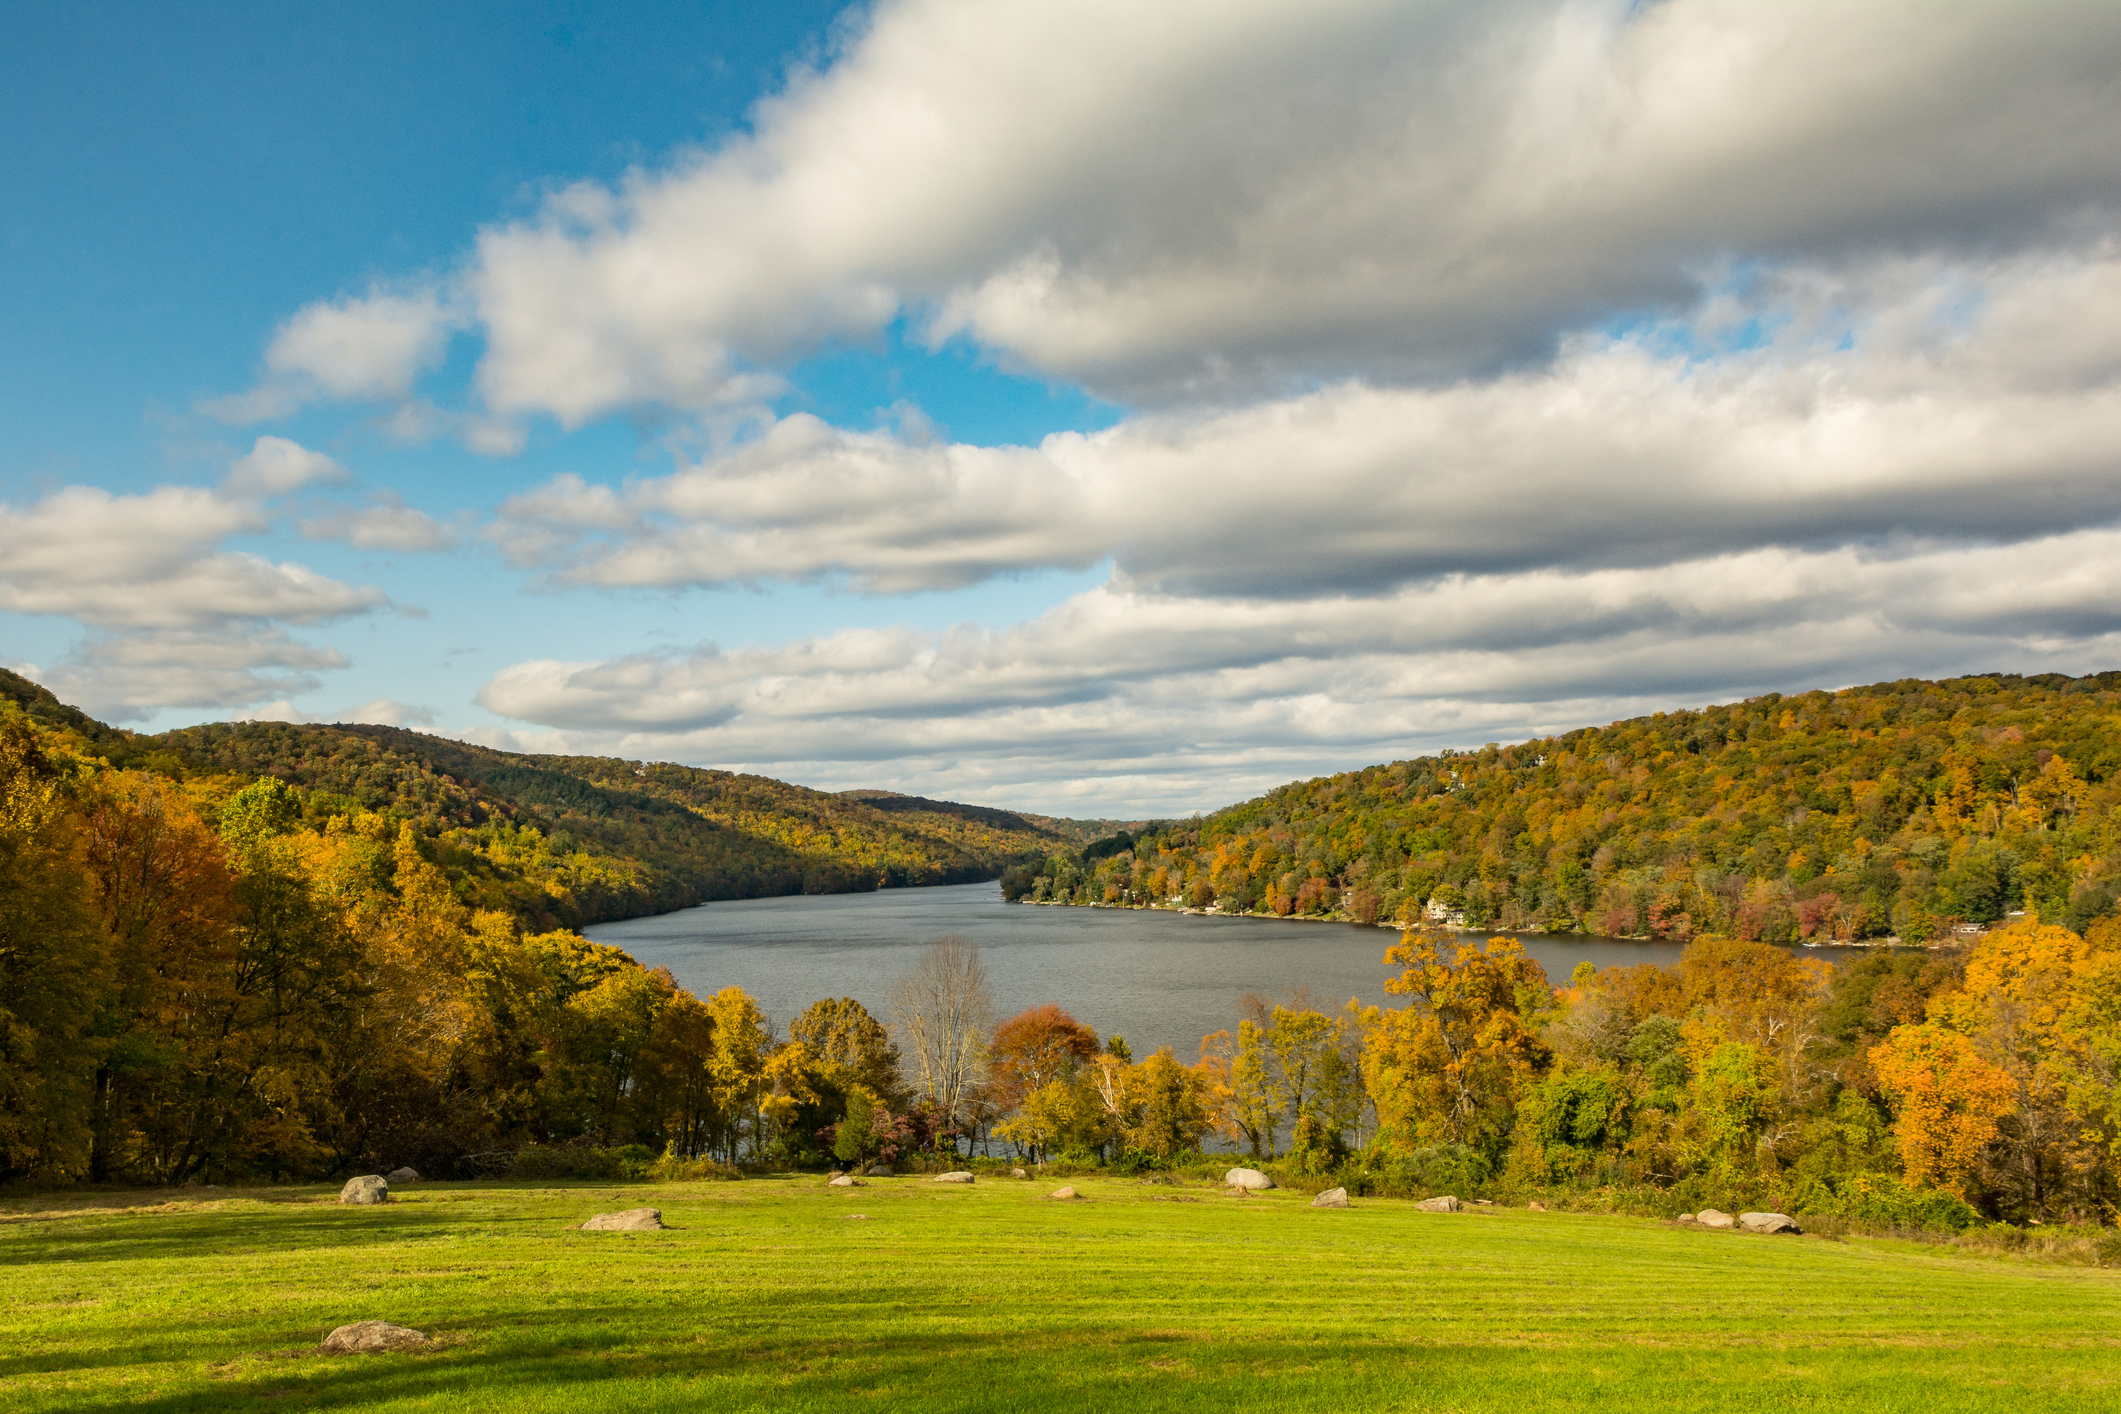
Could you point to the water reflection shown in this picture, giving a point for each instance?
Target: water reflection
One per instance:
(1156, 978)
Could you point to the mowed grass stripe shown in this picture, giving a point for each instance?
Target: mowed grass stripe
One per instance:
(769, 1294)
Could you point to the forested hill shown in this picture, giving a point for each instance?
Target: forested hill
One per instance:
(573, 840)
(1904, 808)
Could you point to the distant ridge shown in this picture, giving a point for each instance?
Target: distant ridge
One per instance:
(572, 840)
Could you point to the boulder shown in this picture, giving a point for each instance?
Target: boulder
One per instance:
(845, 1180)
(1018, 1173)
(1331, 1198)
(1709, 1217)
(1535, 1206)
(1768, 1222)
(958, 1176)
(404, 1175)
(1066, 1195)
(368, 1188)
(1444, 1204)
(880, 1170)
(370, 1337)
(1250, 1179)
(1685, 1218)
(632, 1220)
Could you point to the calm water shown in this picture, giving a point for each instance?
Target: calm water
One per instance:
(1156, 978)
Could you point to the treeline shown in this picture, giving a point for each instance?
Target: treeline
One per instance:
(1901, 810)
(562, 841)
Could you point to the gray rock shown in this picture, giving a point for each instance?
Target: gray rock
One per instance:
(1331, 1198)
(404, 1175)
(1251, 1180)
(1066, 1195)
(1018, 1173)
(1709, 1217)
(368, 1188)
(632, 1220)
(1444, 1204)
(959, 1176)
(1685, 1218)
(1768, 1222)
(1483, 1202)
(371, 1337)
(880, 1170)
(845, 1180)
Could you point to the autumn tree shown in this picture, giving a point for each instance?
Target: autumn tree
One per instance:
(1947, 1102)
(1450, 1066)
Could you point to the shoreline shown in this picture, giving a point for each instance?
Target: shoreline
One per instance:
(1863, 944)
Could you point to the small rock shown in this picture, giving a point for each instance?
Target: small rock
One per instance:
(1331, 1198)
(1686, 1217)
(1535, 1207)
(880, 1170)
(836, 1173)
(845, 1180)
(1250, 1179)
(1018, 1173)
(1483, 1202)
(404, 1175)
(1444, 1204)
(1768, 1222)
(632, 1220)
(368, 1188)
(1709, 1217)
(370, 1337)
(959, 1176)
(1066, 1195)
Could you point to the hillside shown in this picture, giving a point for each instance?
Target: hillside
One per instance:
(1903, 808)
(573, 840)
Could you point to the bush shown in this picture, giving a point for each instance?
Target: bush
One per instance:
(1883, 1201)
(1389, 1173)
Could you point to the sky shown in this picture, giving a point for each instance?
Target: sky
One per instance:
(1098, 409)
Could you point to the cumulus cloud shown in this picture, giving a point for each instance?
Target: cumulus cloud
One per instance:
(274, 466)
(1167, 695)
(380, 711)
(1883, 407)
(1166, 201)
(387, 523)
(173, 617)
(368, 346)
(128, 676)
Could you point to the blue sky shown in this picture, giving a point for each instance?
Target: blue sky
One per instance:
(1079, 407)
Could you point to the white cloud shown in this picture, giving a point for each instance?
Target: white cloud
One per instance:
(174, 618)
(385, 524)
(1160, 201)
(125, 677)
(368, 347)
(1177, 701)
(275, 466)
(1883, 408)
(380, 711)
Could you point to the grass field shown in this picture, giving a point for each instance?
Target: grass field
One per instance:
(774, 1294)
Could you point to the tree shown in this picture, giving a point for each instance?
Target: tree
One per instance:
(1451, 1066)
(842, 1033)
(742, 1040)
(53, 967)
(1035, 1047)
(942, 1011)
(852, 1142)
(1948, 1102)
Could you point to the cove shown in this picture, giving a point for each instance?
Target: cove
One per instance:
(1158, 978)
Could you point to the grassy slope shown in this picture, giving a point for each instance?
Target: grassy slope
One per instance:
(769, 1294)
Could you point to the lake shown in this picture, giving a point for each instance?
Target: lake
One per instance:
(1158, 978)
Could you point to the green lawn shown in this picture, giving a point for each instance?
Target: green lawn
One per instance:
(774, 1294)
